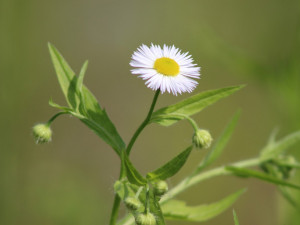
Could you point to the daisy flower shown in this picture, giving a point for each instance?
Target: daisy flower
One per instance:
(167, 68)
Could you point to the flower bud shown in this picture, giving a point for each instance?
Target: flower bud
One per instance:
(202, 139)
(160, 187)
(287, 170)
(145, 219)
(42, 133)
(132, 203)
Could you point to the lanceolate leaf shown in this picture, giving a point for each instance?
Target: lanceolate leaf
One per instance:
(262, 176)
(155, 208)
(124, 189)
(171, 167)
(236, 221)
(192, 105)
(273, 149)
(79, 86)
(285, 193)
(220, 144)
(133, 175)
(178, 210)
(77, 96)
(55, 105)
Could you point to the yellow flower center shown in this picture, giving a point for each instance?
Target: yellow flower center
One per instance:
(166, 66)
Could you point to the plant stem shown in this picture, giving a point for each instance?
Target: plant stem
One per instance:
(55, 116)
(117, 199)
(115, 210)
(194, 179)
(144, 124)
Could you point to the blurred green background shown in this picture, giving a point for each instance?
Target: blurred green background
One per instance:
(70, 180)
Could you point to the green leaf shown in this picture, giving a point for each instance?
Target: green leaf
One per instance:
(282, 189)
(178, 210)
(220, 144)
(124, 189)
(55, 105)
(133, 174)
(274, 149)
(79, 83)
(273, 136)
(192, 105)
(236, 221)
(155, 208)
(171, 167)
(79, 86)
(77, 96)
(65, 76)
(285, 193)
(262, 176)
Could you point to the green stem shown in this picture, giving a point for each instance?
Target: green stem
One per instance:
(194, 179)
(117, 199)
(55, 116)
(115, 210)
(144, 124)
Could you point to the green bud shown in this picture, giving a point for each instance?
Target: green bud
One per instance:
(286, 170)
(132, 203)
(202, 139)
(145, 219)
(42, 133)
(160, 187)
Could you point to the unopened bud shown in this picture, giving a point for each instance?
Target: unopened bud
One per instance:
(202, 139)
(160, 187)
(145, 219)
(132, 203)
(287, 170)
(42, 133)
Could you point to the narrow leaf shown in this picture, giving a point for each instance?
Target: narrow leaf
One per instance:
(262, 176)
(192, 105)
(65, 77)
(55, 105)
(236, 221)
(133, 175)
(274, 149)
(171, 167)
(285, 193)
(125, 189)
(220, 144)
(178, 210)
(282, 189)
(155, 208)
(272, 137)
(92, 115)
(79, 84)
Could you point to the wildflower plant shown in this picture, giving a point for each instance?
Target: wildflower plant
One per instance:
(148, 199)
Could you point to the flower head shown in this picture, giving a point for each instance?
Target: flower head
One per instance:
(42, 133)
(165, 68)
(202, 139)
(145, 219)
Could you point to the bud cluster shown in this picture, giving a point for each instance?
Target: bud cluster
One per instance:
(280, 166)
